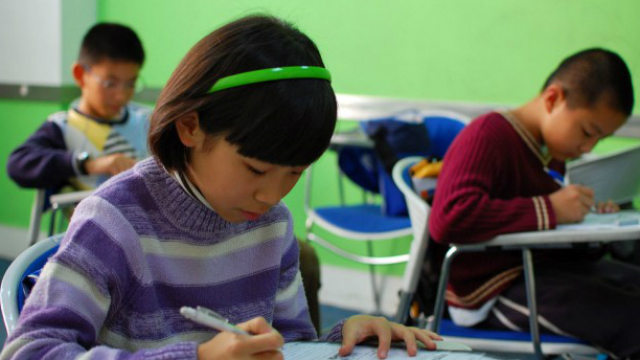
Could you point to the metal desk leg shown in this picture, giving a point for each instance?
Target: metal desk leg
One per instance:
(531, 302)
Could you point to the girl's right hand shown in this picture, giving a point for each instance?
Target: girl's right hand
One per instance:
(265, 343)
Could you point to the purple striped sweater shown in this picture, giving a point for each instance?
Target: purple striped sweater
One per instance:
(138, 250)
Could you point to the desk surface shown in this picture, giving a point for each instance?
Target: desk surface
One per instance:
(560, 236)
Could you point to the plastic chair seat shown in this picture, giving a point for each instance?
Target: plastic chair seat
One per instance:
(363, 222)
(512, 341)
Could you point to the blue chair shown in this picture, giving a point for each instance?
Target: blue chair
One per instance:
(367, 221)
(12, 294)
(479, 339)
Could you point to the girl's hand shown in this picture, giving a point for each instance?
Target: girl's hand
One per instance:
(265, 344)
(360, 327)
(606, 207)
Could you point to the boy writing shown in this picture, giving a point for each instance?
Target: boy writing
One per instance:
(102, 134)
(496, 180)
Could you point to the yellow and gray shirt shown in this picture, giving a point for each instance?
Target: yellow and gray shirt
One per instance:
(47, 158)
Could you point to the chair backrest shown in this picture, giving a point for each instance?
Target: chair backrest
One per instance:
(418, 208)
(408, 133)
(11, 293)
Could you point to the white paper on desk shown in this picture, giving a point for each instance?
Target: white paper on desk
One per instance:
(312, 350)
(605, 221)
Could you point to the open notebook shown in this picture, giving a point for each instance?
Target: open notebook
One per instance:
(315, 350)
(614, 176)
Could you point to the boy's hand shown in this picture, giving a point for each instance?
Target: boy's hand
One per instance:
(110, 164)
(606, 207)
(265, 344)
(571, 203)
(360, 327)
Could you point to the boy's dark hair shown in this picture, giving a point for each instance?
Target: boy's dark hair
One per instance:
(112, 42)
(288, 122)
(590, 74)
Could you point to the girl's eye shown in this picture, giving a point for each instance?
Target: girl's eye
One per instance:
(254, 170)
(586, 133)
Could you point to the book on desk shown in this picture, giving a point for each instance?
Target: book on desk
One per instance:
(614, 176)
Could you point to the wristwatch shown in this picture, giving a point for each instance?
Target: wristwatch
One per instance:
(81, 162)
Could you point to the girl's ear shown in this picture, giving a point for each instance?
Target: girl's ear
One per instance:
(553, 96)
(189, 131)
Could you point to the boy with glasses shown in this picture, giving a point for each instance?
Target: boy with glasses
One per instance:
(102, 134)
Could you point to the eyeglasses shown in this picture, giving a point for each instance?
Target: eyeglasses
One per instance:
(135, 86)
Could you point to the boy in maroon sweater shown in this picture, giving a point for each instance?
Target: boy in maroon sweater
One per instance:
(496, 180)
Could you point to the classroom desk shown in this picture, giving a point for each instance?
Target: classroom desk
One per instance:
(525, 241)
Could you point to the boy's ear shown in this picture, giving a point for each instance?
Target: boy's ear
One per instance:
(78, 71)
(553, 96)
(189, 131)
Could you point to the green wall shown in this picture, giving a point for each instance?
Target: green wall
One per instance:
(496, 51)
(18, 119)
(491, 51)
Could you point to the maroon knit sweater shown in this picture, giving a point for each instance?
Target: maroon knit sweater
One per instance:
(493, 182)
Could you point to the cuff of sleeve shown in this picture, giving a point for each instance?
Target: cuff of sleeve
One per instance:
(335, 334)
(551, 213)
(74, 164)
(543, 209)
(178, 351)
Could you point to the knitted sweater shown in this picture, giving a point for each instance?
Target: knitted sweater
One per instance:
(493, 182)
(138, 250)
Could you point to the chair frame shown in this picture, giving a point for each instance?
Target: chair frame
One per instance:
(313, 218)
(58, 202)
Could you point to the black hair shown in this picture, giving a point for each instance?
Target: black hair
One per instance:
(594, 74)
(287, 122)
(111, 42)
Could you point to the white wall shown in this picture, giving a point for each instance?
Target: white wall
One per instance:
(39, 39)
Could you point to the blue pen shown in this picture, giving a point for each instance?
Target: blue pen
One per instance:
(556, 176)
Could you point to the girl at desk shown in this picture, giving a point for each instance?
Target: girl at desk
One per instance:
(202, 222)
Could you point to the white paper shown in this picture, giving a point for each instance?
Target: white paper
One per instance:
(605, 221)
(311, 350)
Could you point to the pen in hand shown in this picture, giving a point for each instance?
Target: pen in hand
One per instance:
(562, 181)
(210, 318)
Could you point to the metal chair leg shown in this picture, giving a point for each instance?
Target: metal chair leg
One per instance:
(374, 286)
(442, 286)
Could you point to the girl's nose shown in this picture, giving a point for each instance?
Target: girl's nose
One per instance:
(269, 195)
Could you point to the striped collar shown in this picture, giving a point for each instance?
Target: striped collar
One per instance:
(124, 116)
(538, 150)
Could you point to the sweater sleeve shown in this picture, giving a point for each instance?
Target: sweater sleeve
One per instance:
(291, 314)
(42, 161)
(470, 205)
(78, 289)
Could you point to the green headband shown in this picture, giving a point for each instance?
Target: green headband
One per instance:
(272, 74)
